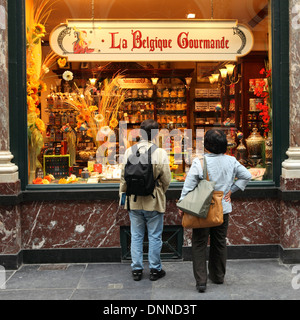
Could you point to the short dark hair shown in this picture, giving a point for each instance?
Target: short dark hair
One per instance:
(149, 126)
(215, 141)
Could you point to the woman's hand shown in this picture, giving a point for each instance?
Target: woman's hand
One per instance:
(180, 212)
(227, 197)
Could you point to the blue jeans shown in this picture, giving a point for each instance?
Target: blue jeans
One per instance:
(154, 221)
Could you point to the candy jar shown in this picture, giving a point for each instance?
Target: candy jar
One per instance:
(254, 144)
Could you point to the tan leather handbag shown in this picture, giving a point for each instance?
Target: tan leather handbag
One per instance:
(214, 217)
(215, 213)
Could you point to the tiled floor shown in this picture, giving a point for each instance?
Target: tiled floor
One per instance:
(245, 280)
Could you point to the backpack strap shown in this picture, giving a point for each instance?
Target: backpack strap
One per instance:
(128, 203)
(152, 149)
(134, 149)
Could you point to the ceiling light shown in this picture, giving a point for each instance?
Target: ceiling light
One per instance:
(191, 16)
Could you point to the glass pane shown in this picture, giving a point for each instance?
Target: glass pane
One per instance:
(84, 113)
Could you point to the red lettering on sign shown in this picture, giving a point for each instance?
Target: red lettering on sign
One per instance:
(113, 44)
(184, 42)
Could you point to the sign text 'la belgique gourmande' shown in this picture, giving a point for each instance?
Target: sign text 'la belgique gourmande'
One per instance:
(197, 40)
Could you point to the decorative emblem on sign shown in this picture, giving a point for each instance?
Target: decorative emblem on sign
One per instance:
(65, 32)
(241, 34)
(197, 40)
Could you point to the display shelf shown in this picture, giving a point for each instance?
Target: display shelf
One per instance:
(220, 125)
(110, 70)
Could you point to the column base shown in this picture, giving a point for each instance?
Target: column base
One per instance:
(8, 171)
(291, 166)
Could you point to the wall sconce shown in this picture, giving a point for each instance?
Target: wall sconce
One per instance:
(188, 81)
(223, 73)
(154, 81)
(230, 69)
(211, 79)
(215, 77)
(93, 81)
(227, 74)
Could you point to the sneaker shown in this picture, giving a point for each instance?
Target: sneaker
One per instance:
(137, 275)
(155, 274)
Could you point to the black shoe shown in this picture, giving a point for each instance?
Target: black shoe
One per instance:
(215, 281)
(201, 287)
(155, 274)
(137, 275)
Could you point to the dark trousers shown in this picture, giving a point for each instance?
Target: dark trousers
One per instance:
(217, 252)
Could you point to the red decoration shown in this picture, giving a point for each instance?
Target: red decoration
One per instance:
(262, 90)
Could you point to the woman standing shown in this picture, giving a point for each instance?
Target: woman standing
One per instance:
(229, 176)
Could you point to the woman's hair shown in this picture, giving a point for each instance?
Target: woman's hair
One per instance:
(215, 141)
(149, 129)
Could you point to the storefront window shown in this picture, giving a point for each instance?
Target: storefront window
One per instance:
(97, 69)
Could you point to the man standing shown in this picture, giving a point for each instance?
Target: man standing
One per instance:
(147, 210)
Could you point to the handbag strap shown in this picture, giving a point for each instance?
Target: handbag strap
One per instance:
(205, 172)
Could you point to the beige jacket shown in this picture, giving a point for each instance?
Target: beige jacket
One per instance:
(160, 168)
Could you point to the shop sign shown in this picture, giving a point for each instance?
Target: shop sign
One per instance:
(153, 40)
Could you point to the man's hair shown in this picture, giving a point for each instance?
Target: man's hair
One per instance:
(215, 141)
(149, 129)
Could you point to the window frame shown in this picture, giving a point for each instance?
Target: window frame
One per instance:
(18, 107)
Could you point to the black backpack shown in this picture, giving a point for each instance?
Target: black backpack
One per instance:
(138, 173)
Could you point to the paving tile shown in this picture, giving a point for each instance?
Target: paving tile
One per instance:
(245, 280)
(115, 294)
(30, 277)
(41, 294)
(248, 271)
(102, 276)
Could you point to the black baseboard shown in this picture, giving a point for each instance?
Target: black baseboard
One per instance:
(288, 256)
(98, 255)
(43, 256)
(80, 255)
(11, 261)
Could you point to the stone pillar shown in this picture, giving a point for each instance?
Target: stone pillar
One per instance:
(290, 179)
(10, 227)
(8, 171)
(291, 167)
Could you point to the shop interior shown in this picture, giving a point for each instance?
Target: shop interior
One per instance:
(84, 111)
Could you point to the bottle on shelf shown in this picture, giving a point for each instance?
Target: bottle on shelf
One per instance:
(57, 119)
(64, 119)
(52, 135)
(51, 119)
(71, 119)
(59, 103)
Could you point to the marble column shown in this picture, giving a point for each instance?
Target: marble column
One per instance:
(291, 167)
(290, 179)
(8, 170)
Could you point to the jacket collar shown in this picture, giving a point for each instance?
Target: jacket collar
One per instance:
(213, 154)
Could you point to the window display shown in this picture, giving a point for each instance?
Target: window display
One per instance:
(83, 114)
